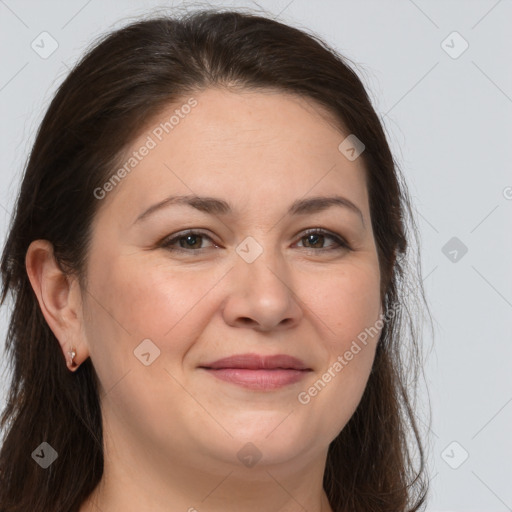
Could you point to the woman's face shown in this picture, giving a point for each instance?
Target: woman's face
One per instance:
(163, 305)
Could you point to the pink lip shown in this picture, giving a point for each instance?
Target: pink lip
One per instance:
(258, 372)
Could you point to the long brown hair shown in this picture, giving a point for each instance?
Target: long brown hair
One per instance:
(121, 83)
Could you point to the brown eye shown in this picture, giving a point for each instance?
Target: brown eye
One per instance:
(188, 240)
(315, 240)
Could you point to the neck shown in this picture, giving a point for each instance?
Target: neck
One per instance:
(136, 478)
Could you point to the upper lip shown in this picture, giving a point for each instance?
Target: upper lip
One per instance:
(258, 362)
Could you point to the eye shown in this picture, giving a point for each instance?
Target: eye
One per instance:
(187, 240)
(314, 237)
(313, 240)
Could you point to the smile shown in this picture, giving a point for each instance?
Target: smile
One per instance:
(258, 372)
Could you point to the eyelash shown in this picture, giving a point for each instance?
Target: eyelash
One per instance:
(342, 244)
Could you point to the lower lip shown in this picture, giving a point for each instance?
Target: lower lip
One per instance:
(258, 379)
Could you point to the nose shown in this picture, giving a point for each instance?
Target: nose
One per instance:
(261, 295)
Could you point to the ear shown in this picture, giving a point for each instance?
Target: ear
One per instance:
(60, 300)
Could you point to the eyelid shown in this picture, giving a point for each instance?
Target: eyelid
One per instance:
(341, 242)
(181, 234)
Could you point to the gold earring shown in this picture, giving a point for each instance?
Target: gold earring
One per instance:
(72, 355)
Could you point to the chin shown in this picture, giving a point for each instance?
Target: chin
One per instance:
(271, 442)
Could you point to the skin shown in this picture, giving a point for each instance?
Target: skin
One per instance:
(172, 431)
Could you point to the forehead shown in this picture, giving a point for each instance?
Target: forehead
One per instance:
(252, 147)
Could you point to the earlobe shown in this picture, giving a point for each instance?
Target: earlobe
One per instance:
(57, 297)
(71, 363)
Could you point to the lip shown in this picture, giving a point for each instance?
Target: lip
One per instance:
(258, 372)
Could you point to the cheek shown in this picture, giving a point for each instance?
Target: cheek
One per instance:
(136, 301)
(349, 312)
(355, 313)
(133, 303)
(172, 306)
(347, 302)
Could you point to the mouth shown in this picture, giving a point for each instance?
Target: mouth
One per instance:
(258, 372)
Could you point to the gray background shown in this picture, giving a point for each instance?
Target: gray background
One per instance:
(448, 119)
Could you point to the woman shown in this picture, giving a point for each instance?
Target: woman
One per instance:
(207, 264)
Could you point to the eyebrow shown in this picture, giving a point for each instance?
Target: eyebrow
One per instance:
(215, 206)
